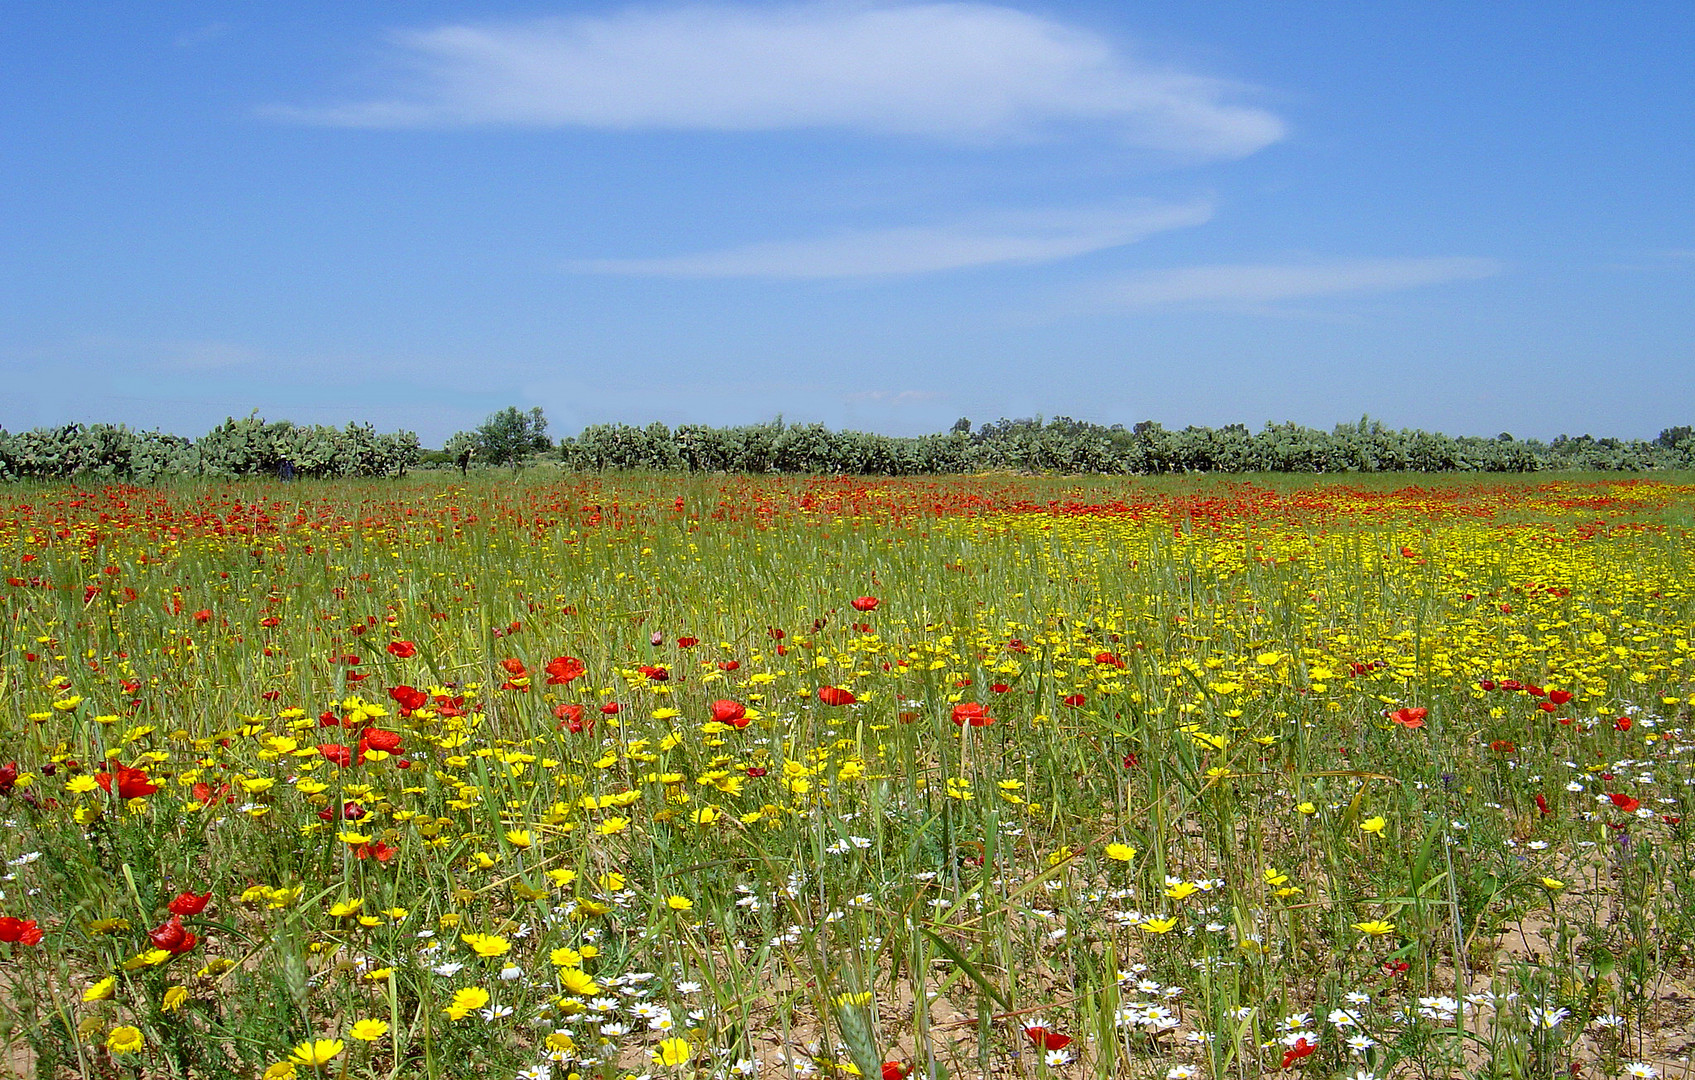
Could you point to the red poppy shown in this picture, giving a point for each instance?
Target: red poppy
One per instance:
(132, 783)
(999, 688)
(836, 695)
(1301, 1049)
(1412, 719)
(1396, 967)
(756, 772)
(19, 931)
(513, 666)
(865, 603)
(1547, 706)
(403, 650)
(655, 674)
(1047, 1040)
(729, 665)
(379, 739)
(1626, 803)
(1109, 660)
(1559, 697)
(8, 777)
(562, 669)
(894, 1070)
(378, 851)
(687, 642)
(203, 615)
(408, 698)
(170, 936)
(336, 754)
(1622, 723)
(611, 708)
(1534, 691)
(970, 712)
(1542, 804)
(348, 809)
(1503, 746)
(1486, 684)
(187, 903)
(206, 795)
(571, 718)
(733, 713)
(1074, 701)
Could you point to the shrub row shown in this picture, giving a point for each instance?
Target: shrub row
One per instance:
(246, 447)
(1064, 445)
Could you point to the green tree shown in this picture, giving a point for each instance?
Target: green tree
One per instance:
(511, 435)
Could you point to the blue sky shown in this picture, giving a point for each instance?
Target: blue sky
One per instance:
(1462, 217)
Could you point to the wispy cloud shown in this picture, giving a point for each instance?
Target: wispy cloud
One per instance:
(891, 397)
(1008, 238)
(969, 72)
(200, 35)
(1266, 283)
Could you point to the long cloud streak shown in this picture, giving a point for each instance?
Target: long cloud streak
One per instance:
(1008, 239)
(962, 72)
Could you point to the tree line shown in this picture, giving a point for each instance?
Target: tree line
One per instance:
(512, 438)
(1064, 445)
(250, 446)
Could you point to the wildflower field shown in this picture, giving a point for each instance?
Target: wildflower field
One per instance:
(713, 777)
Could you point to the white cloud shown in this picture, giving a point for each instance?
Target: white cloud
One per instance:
(1009, 238)
(1265, 283)
(970, 72)
(891, 397)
